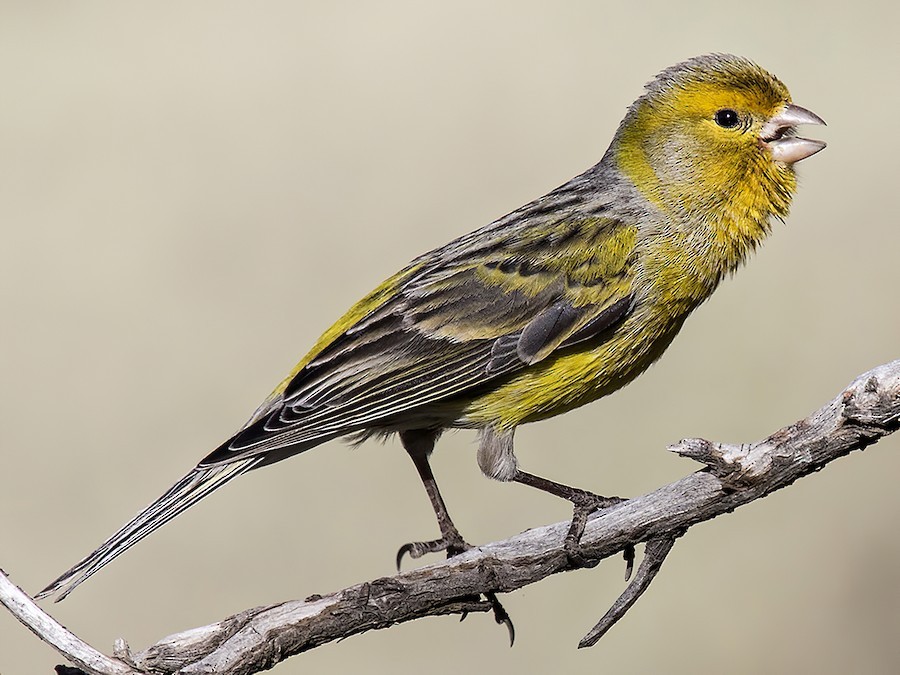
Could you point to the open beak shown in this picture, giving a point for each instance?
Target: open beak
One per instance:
(777, 134)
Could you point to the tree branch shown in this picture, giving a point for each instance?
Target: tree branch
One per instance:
(85, 657)
(259, 638)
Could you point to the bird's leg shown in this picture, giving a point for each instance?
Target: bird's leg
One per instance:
(584, 502)
(498, 461)
(419, 444)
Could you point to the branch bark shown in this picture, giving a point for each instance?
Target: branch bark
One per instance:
(257, 639)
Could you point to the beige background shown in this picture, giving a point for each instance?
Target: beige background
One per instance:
(191, 192)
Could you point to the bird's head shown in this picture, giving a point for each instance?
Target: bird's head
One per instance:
(714, 133)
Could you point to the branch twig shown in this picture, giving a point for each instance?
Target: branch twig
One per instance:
(654, 555)
(53, 633)
(735, 475)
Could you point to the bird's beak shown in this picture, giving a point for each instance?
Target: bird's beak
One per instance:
(776, 134)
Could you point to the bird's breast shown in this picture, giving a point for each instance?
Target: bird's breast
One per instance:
(574, 377)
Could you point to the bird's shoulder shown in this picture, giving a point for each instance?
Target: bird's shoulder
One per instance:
(495, 284)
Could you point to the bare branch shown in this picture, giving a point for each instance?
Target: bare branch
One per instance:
(40, 623)
(654, 555)
(735, 475)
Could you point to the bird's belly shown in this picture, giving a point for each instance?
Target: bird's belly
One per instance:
(574, 377)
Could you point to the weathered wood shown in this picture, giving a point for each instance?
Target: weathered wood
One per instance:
(258, 638)
(85, 657)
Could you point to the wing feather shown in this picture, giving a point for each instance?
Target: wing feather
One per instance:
(456, 325)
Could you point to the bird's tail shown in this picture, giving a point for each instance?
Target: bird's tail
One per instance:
(193, 487)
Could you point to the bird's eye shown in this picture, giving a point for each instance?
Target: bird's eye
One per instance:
(727, 118)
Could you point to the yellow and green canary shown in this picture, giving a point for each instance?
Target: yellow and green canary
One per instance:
(562, 301)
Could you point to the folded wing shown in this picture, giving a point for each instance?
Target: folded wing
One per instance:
(456, 325)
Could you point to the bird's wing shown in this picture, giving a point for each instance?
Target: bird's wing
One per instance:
(460, 318)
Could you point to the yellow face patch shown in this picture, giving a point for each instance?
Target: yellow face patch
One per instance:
(691, 147)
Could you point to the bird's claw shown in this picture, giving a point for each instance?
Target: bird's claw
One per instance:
(585, 504)
(589, 502)
(453, 545)
(501, 616)
(628, 554)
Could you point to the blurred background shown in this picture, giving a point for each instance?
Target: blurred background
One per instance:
(191, 192)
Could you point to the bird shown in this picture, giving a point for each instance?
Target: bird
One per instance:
(559, 303)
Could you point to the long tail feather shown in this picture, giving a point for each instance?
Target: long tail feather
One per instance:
(186, 492)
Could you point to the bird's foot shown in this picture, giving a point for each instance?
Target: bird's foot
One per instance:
(452, 542)
(585, 504)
